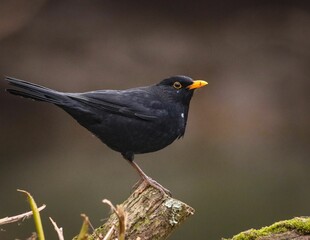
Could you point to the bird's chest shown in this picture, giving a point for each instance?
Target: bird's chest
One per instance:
(177, 117)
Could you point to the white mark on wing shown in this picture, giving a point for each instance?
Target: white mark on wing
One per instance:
(182, 115)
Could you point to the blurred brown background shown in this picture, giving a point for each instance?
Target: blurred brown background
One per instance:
(244, 161)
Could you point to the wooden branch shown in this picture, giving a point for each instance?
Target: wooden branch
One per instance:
(150, 214)
(296, 228)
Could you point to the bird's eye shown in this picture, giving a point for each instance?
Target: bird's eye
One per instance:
(177, 85)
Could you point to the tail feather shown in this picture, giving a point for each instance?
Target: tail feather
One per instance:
(34, 91)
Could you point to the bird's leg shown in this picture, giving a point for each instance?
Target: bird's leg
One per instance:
(149, 180)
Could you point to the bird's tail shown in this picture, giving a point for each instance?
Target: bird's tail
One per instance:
(34, 91)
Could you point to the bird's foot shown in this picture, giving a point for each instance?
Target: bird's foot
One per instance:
(150, 182)
(158, 186)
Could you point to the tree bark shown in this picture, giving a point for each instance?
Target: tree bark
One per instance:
(150, 214)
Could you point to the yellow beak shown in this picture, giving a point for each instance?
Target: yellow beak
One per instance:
(197, 84)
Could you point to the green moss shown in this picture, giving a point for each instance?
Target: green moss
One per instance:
(140, 224)
(299, 224)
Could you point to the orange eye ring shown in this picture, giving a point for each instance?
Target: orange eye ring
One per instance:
(177, 85)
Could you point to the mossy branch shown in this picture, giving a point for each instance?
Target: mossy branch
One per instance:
(296, 228)
(150, 214)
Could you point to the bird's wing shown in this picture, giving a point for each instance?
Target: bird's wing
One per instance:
(134, 103)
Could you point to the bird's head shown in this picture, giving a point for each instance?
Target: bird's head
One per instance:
(180, 88)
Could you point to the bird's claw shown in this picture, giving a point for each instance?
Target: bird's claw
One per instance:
(158, 186)
(150, 182)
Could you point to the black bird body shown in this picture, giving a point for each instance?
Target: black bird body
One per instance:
(132, 121)
(135, 122)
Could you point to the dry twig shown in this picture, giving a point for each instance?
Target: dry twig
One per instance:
(19, 217)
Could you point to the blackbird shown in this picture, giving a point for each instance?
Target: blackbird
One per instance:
(132, 121)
